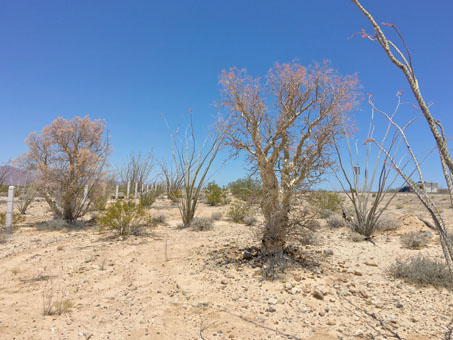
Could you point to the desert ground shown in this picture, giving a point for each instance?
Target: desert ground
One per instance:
(174, 283)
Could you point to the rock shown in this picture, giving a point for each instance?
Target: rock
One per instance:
(247, 255)
(271, 309)
(297, 277)
(328, 252)
(331, 322)
(399, 305)
(318, 295)
(272, 301)
(428, 234)
(322, 313)
(364, 294)
(305, 309)
(356, 272)
(294, 291)
(288, 286)
(371, 263)
(224, 282)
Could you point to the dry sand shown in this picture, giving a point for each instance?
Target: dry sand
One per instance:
(125, 289)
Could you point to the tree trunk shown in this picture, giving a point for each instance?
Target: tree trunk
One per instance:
(275, 215)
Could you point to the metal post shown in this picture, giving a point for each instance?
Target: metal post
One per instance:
(9, 210)
(116, 192)
(136, 190)
(128, 189)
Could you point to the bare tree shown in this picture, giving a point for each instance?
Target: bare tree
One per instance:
(367, 196)
(404, 62)
(286, 125)
(173, 181)
(137, 170)
(192, 164)
(66, 157)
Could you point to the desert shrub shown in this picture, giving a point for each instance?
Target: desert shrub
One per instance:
(53, 301)
(326, 202)
(336, 221)
(215, 195)
(415, 240)
(216, 215)
(245, 189)
(159, 219)
(387, 224)
(202, 223)
(98, 197)
(356, 237)
(27, 195)
(147, 199)
(17, 218)
(238, 211)
(124, 218)
(423, 270)
(249, 220)
(58, 224)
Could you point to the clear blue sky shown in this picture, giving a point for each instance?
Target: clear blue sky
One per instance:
(129, 62)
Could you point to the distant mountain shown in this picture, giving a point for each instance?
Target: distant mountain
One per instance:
(14, 176)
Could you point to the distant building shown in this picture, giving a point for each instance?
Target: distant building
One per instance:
(431, 187)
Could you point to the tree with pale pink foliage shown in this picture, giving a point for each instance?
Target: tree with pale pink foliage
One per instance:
(67, 156)
(286, 125)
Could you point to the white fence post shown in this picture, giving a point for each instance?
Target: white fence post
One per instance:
(85, 195)
(116, 192)
(128, 189)
(9, 210)
(136, 190)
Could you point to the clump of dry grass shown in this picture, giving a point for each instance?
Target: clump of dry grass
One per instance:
(216, 216)
(414, 240)
(336, 221)
(53, 301)
(202, 223)
(387, 223)
(423, 270)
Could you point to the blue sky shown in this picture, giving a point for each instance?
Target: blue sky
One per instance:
(130, 62)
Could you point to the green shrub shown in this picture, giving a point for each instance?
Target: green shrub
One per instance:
(415, 240)
(245, 189)
(202, 223)
(422, 270)
(238, 211)
(215, 195)
(124, 218)
(326, 202)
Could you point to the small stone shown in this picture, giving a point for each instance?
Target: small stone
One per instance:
(272, 301)
(356, 272)
(399, 305)
(294, 291)
(271, 309)
(322, 313)
(318, 295)
(288, 286)
(331, 322)
(328, 252)
(297, 277)
(364, 294)
(371, 264)
(224, 282)
(247, 255)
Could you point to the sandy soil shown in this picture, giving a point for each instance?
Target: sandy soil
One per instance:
(126, 289)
